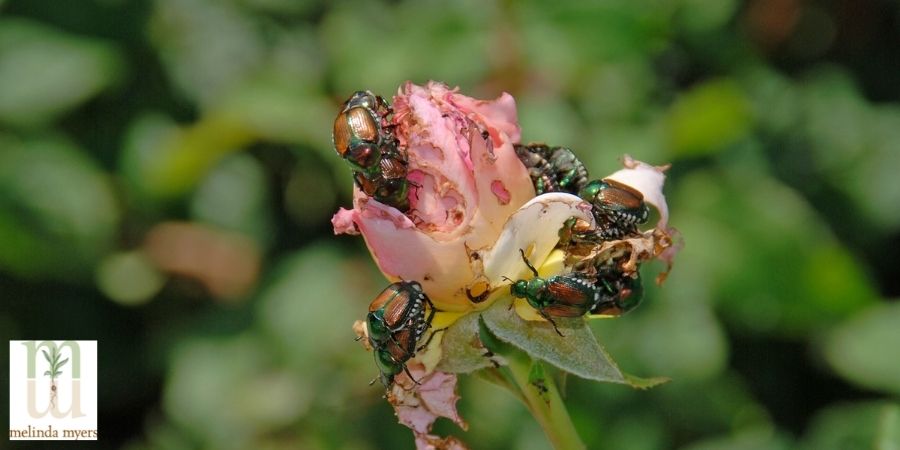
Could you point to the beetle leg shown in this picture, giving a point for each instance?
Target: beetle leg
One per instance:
(406, 369)
(552, 322)
(533, 270)
(430, 337)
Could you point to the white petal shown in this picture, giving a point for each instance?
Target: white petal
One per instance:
(534, 228)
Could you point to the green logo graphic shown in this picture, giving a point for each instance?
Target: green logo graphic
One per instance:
(55, 362)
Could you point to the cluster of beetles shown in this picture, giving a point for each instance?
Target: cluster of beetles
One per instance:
(401, 315)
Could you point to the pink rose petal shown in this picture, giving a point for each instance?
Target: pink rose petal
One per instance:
(343, 222)
(418, 405)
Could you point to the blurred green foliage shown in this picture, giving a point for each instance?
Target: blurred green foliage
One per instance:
(778, 325)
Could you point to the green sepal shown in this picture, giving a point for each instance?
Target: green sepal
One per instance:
(461, 349)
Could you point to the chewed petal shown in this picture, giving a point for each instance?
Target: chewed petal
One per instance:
(501, 112)
(496, 169)
(649, 181)
(534, 228)
(342, 222)
(403, 252)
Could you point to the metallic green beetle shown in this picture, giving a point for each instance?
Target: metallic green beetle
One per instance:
(569, 295)
(620, 293)
(363, 136)
(397, 320)
(617, 208)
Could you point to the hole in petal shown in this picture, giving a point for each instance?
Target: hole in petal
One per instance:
(500, 192)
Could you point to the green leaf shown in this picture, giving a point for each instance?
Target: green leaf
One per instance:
(62, 363)
(47, 357)
(577, 352)
(44, 72)
(708, 118)
(888, 434)
(461, 349)
(859, 349)
(56, 374)
(645, 383)
(869, 425)
(47, 372)
(58, 213)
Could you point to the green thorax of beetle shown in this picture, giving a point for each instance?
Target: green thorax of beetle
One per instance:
(568, 295)
(617, 208)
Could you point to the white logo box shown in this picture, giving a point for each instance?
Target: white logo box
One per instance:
(40, 409)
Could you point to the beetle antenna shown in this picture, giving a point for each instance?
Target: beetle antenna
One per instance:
(533, 270)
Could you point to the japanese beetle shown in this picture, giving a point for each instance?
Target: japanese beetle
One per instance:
(362, 136)
(570, 173)
(620, 293)
(569, 295)
(552, 169)
(386, 186)
(360, 131)
(617, 208)
(397, 319)
(534, 158)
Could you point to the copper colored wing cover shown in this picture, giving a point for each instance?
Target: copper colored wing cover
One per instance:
(396, 309)
(401, 346)
(567, 294)
(622, 194)
(385, 296)
(564, 311)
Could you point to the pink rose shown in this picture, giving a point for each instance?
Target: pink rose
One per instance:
(468, 189)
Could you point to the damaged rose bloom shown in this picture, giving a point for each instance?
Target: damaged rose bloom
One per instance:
(472, 217)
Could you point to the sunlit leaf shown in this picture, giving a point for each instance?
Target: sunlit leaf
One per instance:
(763, 438)
(58, 212)
(854, 426)
(234, 196)
(857, 348)
(45, 72)
(708, 118)
(207, 46)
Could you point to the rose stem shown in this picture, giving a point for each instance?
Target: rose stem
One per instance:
(543, 400)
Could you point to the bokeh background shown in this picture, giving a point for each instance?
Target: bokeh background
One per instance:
(167, 180)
